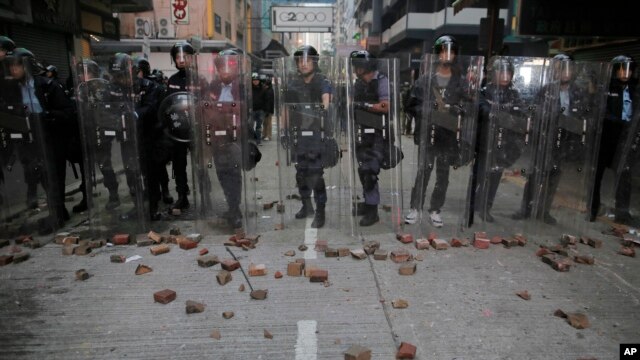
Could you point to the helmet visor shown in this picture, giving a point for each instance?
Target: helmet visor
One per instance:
(182, 56)
(227, 64)
(566, 69)
(446, 52)
(503, 72)
(624, 71)
(306, 60)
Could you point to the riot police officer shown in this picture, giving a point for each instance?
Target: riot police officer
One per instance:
(46, 99)
(309, 87)
(442, 152)
(180, 54)
(617, 118)
(6, 45)
(259, 105)
(499, 89)
(371, 94)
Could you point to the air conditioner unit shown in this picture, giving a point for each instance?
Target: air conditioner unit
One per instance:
(143, 27)
(166, 29)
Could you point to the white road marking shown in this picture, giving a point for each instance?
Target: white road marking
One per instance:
(307, 343)
(310, 238)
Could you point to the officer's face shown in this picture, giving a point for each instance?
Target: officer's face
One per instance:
(503, 77)
(624, 72)
(305, 64)
(3, 53)
(446, 55)
(227, 71)
(17, 70)
(360, 72)
(566, 71)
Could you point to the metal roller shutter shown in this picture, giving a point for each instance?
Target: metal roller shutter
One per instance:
(49, 47)
(607, 52)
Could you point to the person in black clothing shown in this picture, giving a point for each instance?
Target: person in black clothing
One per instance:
(6, 45)
(48, 108)
(158, 144)
(181, 52)
(438, 143)
(499, 90)
(371, 95)
(267, 128)
(259, 105)
(309, 87)
(617, 118)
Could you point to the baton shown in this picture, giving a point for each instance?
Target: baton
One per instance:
(241, 269)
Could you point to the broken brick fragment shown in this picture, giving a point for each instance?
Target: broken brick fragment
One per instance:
(118, 258)
(82, 250)
(331, 252)
(164, 296)
(524, 294)
(57, 238)
(480, 235)
(223, 277)
(455, 242)
(277, 275)
(5, 259)
(567, 240)
(207, 260)
(406, 351)
(627, 251)
(280, 208)
(267, 334)
(120, 239)
(82, 275)
(423, 244)
(188, 244)
(294, 269)
(230, 264)
(144, 241)
(302, 247)
(509, 242)
(628, 240)
(227, 314)
(578, 320)
(359, 254)
(481, 243)
(257, 270)
(584, 259)
(407, 269)
(542, 251)
(308, 269)
(399, 303)
(370, 246)
(594, 243)
(142, 269)
(380, 254)
(204, 251)
(95, 244)
(241, 288)
(68, 249)
(278, 227)
(496, 240)
(259, 294)
(267, 206)
(521, 239)
(432, 236)
(321, 245)
(342, 252)
(215, 334)
(404, 238)
(319, 275)
(20, 257)
(155, 237)
(175, 231)
(159, 249)
(23, 239)
(290, 253)
(440, 244)
(357, 352)
(70, 240)
(193, 307)
(400, 255)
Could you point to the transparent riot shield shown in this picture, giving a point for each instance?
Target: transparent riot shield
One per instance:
(444, 102)
(109, 127)
(374, 145)
(511, 113)
(627, 163)
(560, 194)
(31, 193)
(224, 149)
(310, 182)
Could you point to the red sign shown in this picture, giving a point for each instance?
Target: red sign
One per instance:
(180, 12)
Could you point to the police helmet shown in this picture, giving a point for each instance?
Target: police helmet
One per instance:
(181, 48)
(447, 45)
(255, 76)
(225, 55)
(624, 63)
(364, 60)
(26, 58)
(7, 44)
(142, 64)
(119, 63)
(88, 68)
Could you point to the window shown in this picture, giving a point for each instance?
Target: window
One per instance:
(218, 23)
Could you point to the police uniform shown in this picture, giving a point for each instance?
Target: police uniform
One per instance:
(178, 82)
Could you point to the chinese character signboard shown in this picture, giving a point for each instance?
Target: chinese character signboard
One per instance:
(180, 12)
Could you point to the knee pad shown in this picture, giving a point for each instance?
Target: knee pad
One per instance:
(369, 180)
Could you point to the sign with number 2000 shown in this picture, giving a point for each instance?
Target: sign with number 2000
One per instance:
(180, 12)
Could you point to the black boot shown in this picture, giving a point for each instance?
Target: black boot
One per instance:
(80, 207)
(166, 195)
(114, 200)
(318, 219)
(371, 215)
(306, 210)
(32, 196)
(182, 203)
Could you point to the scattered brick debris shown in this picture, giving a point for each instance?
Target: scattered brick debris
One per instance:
(404, 238)
(496, 240)
(423, 244)
(68, 249)
(542, 251)
(159, 249)
(155, 237)
(280, 208)
(120, 239)
(143, 240)
(321, 245)
(175, 231)
(302, 247)
(584, 259)
(627, 251)
(371, 246)
(400, 255)
(164, 296)
(267, 334)
(95, 244)
(23, 239)
(524, 294)
(481, 243)
(241, 288)
(277, 275)
(455, 242)
(577, 320)
(628, 240)
(509, 242)
(82, 250)
(207, 260)
(330, 252)
(522, 240)
(406, 351)
(20, 257)
(319, 275)
(203, 251)
(290, 253)
(230, 264)
(57, 238)
(342, 252)
(278, 227)
(357, 352)
(82, 275)
(267, 206)
(227, 314)
(399, 303)
(419, 257)
(259, 294)
(567, 240)
(308, 269)
(223, 277)
(143, 269)
(5, 259)
(380, 254)
(257, 269)
(118, 258)
(407, 269)
(558, 263)
(215, 334)
(295, 269)
(439, 244)
(359, 254)
(194, 307)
